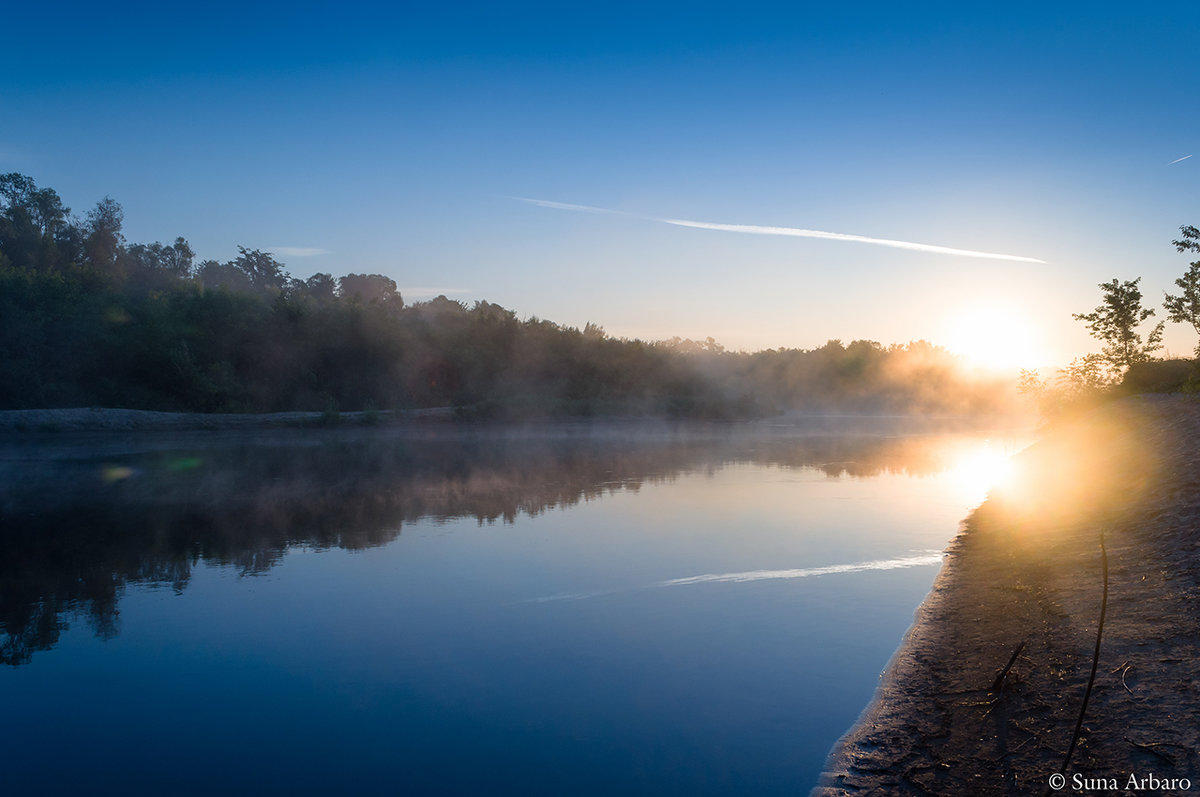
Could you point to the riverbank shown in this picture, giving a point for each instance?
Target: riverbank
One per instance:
(1026, 576)
(105, 419)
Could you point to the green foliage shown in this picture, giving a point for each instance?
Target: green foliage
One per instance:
(369, 288)
(319, 288)
(1114, 323)
(1029, 383)
(1160, 376)
(1080, 385)
(1088, 374)
(104, 241)
(264, 272)
(1184, 308)
(87, 319)
(150, 261)
(35, 232)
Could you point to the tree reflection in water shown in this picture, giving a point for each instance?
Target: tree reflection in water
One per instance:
(82, 517)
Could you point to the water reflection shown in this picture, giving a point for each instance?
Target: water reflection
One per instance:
(929, 557)
(82, 518)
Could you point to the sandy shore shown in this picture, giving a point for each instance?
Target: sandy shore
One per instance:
(1027, 569)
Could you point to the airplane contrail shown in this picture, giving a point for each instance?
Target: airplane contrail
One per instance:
(795, 232)
(1177, 160)
(929, 557)
(546, 203)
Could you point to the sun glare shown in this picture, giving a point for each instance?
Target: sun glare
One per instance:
(978, 470)
(993, 336)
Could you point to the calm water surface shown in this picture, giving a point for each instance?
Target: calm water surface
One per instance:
(551, 611)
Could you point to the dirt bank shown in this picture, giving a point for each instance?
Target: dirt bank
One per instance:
(1028, 569)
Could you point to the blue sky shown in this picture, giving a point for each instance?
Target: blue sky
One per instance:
(393, 138)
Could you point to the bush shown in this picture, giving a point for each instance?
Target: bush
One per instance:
(1160, 376)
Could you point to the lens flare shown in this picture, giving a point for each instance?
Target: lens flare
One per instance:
(984, 468)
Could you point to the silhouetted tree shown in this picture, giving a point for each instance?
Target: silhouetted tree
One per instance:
(1114, 323)
(34, 224)
(157, 260)
(104, 239)
(214, 275)
(321, 288)
(1185, 308)
(367, 288)
(266, 274)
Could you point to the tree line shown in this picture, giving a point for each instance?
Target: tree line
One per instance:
(90, 319)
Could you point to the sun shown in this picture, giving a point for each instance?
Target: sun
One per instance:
(993, 336)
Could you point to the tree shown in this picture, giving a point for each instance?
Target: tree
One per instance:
(33, 222)
(369, 288)
(1185, 308)
(214, 276)
(1084, 376)
(104, 240)
(320, 287)
(42, 208)
(1114, 323)
(174, 260)
(265, 272)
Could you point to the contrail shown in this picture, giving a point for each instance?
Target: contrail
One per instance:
(929, 557)
(546, 203)
(794, 232)
(1177, 160)
(839, 236)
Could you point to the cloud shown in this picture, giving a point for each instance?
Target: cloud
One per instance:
(793, 232)
(297, 251)
(1177, 160)
(546, 203)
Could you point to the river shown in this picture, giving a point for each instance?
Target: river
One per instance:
(562, 609)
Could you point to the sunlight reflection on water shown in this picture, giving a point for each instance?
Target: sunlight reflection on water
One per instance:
(402, 611)
(929, 557)
(977, 469)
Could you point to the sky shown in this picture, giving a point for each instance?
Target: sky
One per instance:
(409, 139)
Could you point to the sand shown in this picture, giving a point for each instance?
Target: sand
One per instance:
(1027, 568)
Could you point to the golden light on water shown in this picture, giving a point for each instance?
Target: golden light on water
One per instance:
(986, 467)
(980, 468)
(111, 474)
(1084, 470)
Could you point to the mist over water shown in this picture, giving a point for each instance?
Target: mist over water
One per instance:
(393, 602)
